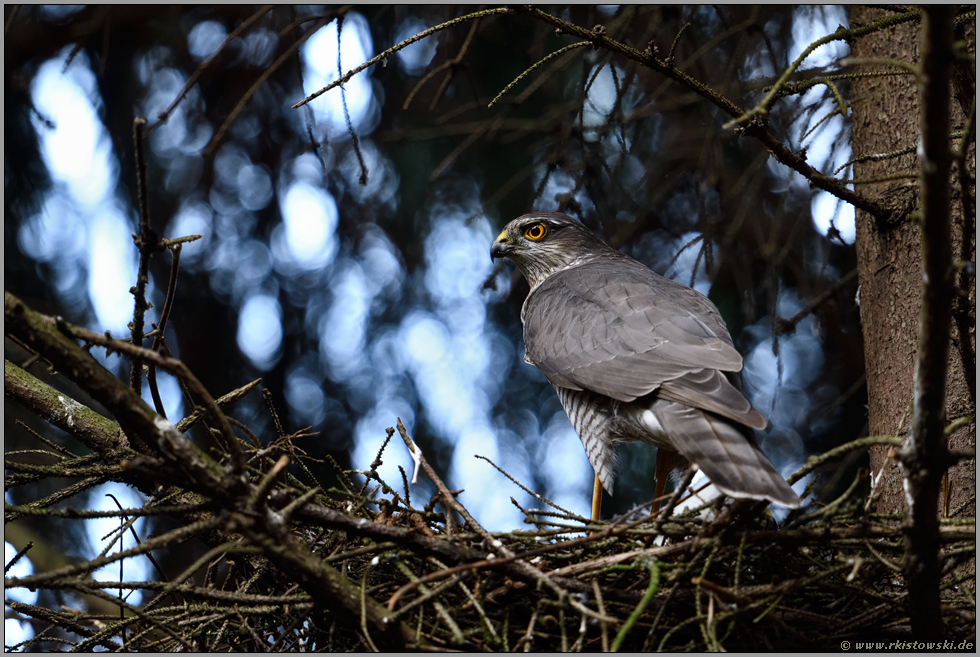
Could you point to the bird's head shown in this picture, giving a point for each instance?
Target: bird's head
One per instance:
(542, 243)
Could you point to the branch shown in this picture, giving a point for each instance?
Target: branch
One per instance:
(924, 456)
(788, 325)
(265, 76)
(40, 333)
(146, 243)
(840, 35)
(96, 432)
(191, 81)
(523, 568)
(330, 589)
(398, 46)
(146, 431)
(453, 65)
(326, 585)
(777, 148)
(544, 60)
(161, 328)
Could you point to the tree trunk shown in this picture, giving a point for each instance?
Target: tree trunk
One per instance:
(886, 115)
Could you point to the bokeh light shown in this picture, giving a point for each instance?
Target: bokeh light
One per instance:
(363, 295)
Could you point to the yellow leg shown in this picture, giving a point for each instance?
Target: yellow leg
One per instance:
(596, 498)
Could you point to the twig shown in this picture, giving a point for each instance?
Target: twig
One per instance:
(673, 45)
(160, 329)
(652, 587)
(452, 65)
(223, 401)
(875, 157)
(363, 178)
(407, 42)
(160, 540)
(493, 561)
(523, 567)
(40, 507)
(543, 500)
(787, 325)
(597, 592)
(906, 68)
(861, 443)
(364, 626)
(192, 80)
(166, 244)
(841, 34)
(528, 71)
(55, 446)
(261, 80)
(17, 557)
(145, 243)
(779, 150)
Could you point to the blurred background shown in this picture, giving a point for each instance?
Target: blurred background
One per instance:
(345, 249)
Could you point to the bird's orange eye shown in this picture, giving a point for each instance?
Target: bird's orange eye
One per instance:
(535, 231)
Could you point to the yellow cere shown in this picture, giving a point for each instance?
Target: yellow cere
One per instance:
(502, 235)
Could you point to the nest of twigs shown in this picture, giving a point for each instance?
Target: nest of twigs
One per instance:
(359, 567)
(714, 577)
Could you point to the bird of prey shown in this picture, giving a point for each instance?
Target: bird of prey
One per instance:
(635, 356)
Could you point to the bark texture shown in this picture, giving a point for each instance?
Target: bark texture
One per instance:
(885, 120)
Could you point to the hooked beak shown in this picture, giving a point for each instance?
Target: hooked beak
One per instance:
(500, 246)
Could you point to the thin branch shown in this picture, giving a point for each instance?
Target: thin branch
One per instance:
(55, 446)
(673, 45)
(399, 46)
(145, 242)
(652, 588)
(265, 76)
(904, 67)
(166, 244)
(363, 178)
(174, 536)
(545, 59)
(160, 329)
(779, 150)
(495, 544)
(51, 336)
(530, 492)
(762, 108)
(191, 81)
(454, 66)
(787, 325)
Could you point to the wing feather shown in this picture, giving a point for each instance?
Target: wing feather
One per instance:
(618, 329)
(710, 390)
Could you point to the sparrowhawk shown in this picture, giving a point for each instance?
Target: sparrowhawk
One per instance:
(635, 356)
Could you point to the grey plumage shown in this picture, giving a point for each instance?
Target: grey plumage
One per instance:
(635, 356)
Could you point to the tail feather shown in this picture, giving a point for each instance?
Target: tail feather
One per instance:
(730, 460)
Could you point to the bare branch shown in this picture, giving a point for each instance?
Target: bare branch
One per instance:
(398, 46)
(924, 456)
